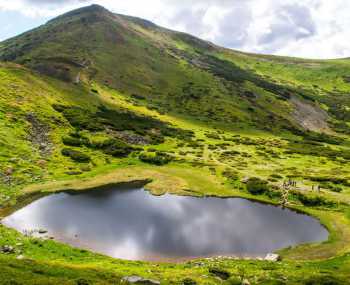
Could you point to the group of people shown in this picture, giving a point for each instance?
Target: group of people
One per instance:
(289, 183)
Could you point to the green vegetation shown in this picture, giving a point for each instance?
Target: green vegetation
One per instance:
(134, 102)
(76, 155)
(157, 158)
(256, 186)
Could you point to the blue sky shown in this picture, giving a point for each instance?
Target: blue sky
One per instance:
(308, 28)
(13, 23)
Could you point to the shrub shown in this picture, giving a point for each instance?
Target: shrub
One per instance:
(114, 147)
(277, 176)
(257, 186)
(219, 272)
(321, 137)
(189, 281)
(313, 200)
(231, 175)
(324, 280)
(155, 158)
(76, 155)
(74, 141)
(234, 281)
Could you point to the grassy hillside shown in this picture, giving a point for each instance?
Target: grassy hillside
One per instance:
(93, 98)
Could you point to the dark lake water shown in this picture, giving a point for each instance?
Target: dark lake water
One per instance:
(132, 224)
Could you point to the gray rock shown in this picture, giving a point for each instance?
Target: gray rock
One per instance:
(42, 231)
(7, 249)
(272, 257)
(139, 280)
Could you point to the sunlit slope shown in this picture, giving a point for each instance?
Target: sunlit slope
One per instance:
(177, 73)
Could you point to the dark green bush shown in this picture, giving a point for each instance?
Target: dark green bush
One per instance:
(322, 137)
(188, 281)
(76, 155)
(313, 200)
(74, 140)
(257, 186)
(114, 147)
(155, 158)
(219, 272)
(117, 120)
(231, 175)
(324, 280)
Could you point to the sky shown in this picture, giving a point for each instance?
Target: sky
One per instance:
(308, 28)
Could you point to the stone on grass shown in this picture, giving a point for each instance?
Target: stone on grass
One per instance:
(139, 280)
(7, 249)
(272, 257)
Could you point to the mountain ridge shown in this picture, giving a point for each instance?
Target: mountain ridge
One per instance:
(93, 99)
(138, 57)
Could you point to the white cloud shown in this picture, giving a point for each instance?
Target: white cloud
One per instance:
(309, 28)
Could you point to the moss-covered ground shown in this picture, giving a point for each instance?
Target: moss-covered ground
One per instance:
(214, 160)
(132, 101)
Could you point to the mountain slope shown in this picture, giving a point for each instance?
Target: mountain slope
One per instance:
(171, 71)
(94, 98)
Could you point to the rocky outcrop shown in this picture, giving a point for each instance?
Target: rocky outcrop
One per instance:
(272, 257)
(310, 116)
(39, 135)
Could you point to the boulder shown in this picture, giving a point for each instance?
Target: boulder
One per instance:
(139, 280)
(272, 257)
(7, 249)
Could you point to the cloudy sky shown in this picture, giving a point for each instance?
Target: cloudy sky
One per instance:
(308, 28)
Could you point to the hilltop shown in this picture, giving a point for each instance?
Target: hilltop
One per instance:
(92, 98)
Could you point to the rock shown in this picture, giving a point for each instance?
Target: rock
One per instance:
(245, 180)
(272, 257)
(42, 231)
(20, 257)
(41, 162)
(7, 249)
(9, 171)
(245, 282)
(140, 280)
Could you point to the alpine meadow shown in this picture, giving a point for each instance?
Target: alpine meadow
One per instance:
(94, 99)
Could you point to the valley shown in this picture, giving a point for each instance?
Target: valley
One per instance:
(131, 101)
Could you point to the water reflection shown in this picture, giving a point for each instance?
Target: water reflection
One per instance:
(132, 224)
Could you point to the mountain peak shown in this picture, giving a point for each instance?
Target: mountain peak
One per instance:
(92, 10)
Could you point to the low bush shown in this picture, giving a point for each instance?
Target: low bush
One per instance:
(321, 137)
(324, 280)
(188, 281)
(230, 175)
(257, 186)
(313, 200)
(76, 155)
(114, 147)
(75, 140)
(157, 158)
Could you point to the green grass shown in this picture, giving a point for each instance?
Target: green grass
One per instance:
(222, 116)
